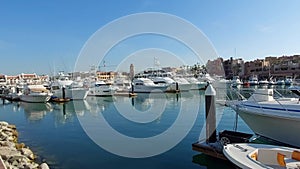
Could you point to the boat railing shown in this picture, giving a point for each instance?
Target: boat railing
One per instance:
(278, 99)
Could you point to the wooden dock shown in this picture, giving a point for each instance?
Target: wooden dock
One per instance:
(209, 149)
(125, 94)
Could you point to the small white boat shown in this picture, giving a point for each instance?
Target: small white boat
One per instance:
(295, 89)
(288, 81)
(262, 156)
(279, 82)
(35, 94)
(271, 82)
(236, 81)
(253, 80)
(263, 82)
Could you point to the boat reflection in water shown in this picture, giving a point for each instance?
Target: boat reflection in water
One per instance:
(35, 111)
(66, 112)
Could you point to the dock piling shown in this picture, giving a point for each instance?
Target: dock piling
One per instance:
(210, 113)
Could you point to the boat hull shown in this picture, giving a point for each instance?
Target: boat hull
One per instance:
(74, 93)
(35, 98)
(101, 91)
(150, 89)
(282, 129)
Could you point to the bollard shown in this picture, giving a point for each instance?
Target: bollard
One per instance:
(132, 88)
(210, 113)
(63, 92)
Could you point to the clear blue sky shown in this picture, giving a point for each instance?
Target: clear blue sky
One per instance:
(43, 36)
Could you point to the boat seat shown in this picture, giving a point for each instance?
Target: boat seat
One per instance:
(269, 157)
(291, 163)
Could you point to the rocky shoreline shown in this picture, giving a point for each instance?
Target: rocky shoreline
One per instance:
(13, 154)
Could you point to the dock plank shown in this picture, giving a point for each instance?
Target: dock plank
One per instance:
(208, 150)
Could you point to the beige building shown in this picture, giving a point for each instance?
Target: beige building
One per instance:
(105, 76)
(275, 67)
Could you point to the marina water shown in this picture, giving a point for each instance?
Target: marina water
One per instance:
(54, 132)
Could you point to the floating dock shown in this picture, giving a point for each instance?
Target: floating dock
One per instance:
(213, 144)
(209, 149)
(125, 94)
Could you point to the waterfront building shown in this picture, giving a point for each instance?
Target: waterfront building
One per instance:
(275, 67)
(233, 67)
(12, 80)
(105, 76)
(258, 67)
(29, 78)
(215, 67)
(284, 66)
(2, 80)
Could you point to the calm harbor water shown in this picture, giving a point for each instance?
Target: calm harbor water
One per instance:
(54, 131)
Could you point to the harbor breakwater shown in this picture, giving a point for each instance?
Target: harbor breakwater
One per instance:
(16, 155)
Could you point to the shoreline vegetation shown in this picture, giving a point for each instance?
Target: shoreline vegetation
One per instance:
(16, 155)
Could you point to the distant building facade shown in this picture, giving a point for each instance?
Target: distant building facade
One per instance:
(274, 67)
(24, 78)
(215, 67)
(105, 76)
(233, 67)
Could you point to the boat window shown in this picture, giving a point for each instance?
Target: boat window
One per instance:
(98, 85)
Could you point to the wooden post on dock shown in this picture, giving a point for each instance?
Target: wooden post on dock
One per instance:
(63, 92)
(177, 87)
(210, 113)
(132, 88)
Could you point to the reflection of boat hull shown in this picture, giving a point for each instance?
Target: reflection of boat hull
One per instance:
(35, 98)
(35, 111)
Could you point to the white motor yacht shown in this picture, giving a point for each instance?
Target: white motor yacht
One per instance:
(100, 88)
(274, 118)
(196, 84)
(73, 92)
(35, 94)
(183, 84)
(236, 81)
(145, 85)
(263, 82)
(253, 80)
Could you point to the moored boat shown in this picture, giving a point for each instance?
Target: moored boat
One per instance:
(274, 118)
(236, 81)
(61, 91)
(145, 85)
(35, 94)
(262, 156)
(263, 82)
(253, 80)
(101, 88)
